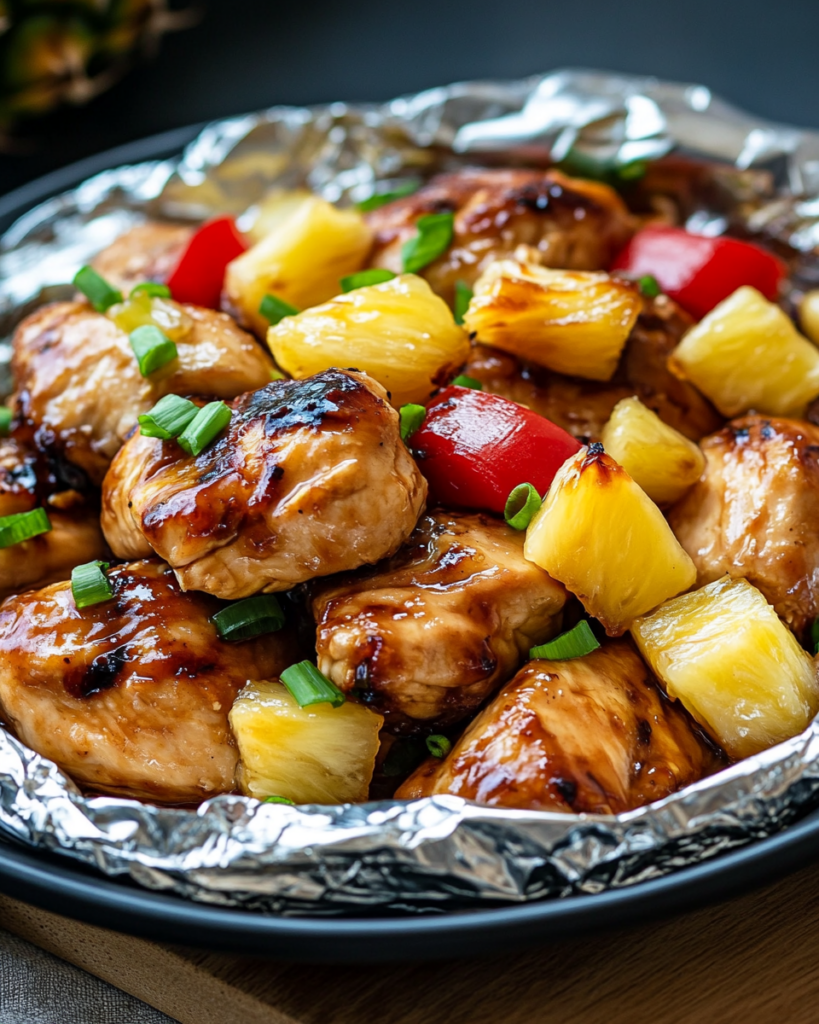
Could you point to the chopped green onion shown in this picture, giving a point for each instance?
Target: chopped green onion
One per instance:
(572, 644)
(463, 296)
(364, 278)
(276, 374)
(382, 198)
(632, 171)
(649, 286)
(206, 425)
(411, 416)
(438, 746)
(96, 289)
(278, 800)
(168, 418)
(521, 505)
(433, 239)
(254, 616)
(151, 289)
(20, 526)
(462, 381)
(309, 686)
(152, 349)
(90, 585)
(275, 309)
(6, 416)
(814, 636)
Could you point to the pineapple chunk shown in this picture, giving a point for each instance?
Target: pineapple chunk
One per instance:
(275, 207)
(398, 332)
(311, 247)
(607, 542)
(571, 321)
(657, 457)
(313, 755)
(809, 314)
(747, 354)
(723, 651)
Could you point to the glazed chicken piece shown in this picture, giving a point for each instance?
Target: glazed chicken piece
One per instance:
(148, 252)
(130, 696)
(79, 385)
(595, 734)
(310, 478)
(430, 634)
(755, 513)
(573, 224)
(582, 407)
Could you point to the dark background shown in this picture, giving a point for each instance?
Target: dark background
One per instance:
(246, 54)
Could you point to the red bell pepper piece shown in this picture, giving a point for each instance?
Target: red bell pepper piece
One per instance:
(697, 271)
(200, 273)
(474, 448)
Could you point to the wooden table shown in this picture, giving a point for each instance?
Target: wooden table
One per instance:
(752, 961)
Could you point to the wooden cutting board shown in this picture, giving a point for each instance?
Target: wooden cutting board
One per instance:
(752, 961)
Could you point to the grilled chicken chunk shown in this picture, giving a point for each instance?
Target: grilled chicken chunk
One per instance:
(130, 696)
(310, 478)
(594, 734)
(148, 252)
(755, 513)
(79, 385)
(582, 407)
(577, 225)
(431, 633)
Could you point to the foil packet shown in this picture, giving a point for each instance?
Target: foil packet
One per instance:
(440, 853)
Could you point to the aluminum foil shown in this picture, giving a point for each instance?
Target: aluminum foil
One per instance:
(439, 853)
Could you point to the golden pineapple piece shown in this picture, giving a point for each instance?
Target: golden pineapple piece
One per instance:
(570, 321)
(725, 653)
(313, 755)
(657, 457)
(606, 541)
(747, 354)
(400, 332)
(809, 314)
(270, 212)
(311, 247)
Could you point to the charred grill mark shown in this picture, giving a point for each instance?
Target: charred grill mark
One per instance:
(287, 404)
(643, 731)
(101, 674)
(567, 788)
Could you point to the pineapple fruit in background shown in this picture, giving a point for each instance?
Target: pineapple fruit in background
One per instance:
(312, 755)
(724, 652)
(606, 541)
(657, 457)
(747, 354)
(570, 321)
(400, 332)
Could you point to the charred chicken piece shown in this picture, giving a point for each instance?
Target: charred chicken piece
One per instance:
(79, 385)
(430, 634)
(755, 513)
(130, 696)
(593, 735)
(148, 252)
(310, 478)
(574, 224)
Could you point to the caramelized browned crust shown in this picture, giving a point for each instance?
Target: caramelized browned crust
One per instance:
(574, 224)
(310, 478)
(430, 634)
(130, 696)
(755, 513)
(593, 735)
(148, 252)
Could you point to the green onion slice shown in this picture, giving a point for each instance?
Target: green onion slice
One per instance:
(6, 416)
(364, 278)
(152, 289)
(521, 505)
(206, 425)
(278, 800)
(649, 286)
(814, 636)
(573, 644)
(633, 170)
(254, 616)
(412, 416)
(90, 585)
(275, 309)
(438, 746)
(152, 349)
(96, 289)
(20, 526)
(463, 296)
(433, 239)
(462, 381)
(309, 686)
(168, 418)
(382, 198)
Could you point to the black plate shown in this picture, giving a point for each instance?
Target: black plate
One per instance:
(59, 884)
